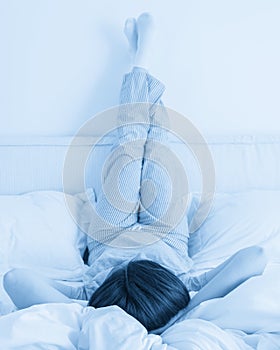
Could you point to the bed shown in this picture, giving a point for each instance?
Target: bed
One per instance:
(38, 230)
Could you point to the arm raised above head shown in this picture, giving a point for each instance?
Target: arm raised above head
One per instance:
(26, 288)
(244, 264)
(241, 266)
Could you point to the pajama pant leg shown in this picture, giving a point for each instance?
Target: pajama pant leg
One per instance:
(144, 187)
(164, 190)
(117, 207)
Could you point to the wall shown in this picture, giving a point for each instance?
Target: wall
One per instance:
(62, 61)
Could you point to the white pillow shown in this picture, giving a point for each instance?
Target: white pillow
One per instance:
(236, 221)
(37, 231)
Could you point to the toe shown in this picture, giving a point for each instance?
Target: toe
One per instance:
(129, 26)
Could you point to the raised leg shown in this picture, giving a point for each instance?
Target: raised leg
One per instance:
(118, 204)
(134, 208)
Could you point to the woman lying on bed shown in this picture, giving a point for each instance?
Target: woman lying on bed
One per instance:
(145, 289)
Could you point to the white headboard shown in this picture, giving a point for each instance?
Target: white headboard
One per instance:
(36, 163)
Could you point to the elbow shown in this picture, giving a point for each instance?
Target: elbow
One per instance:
(261, 258)
(257, 258)
(11, 282)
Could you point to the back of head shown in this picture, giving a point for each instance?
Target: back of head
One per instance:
(145, 290)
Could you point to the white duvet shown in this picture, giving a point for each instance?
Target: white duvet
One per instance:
(70, 326)
(218, 324)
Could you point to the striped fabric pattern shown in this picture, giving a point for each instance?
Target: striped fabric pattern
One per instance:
(136, 191)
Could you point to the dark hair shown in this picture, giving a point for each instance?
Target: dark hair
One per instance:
(145, 290)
